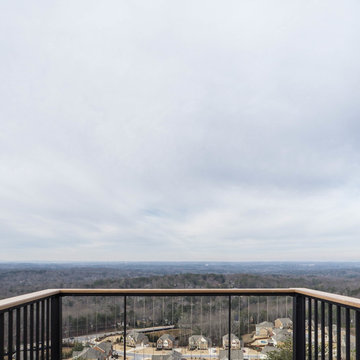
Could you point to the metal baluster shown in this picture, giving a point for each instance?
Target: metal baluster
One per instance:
(229, 319)
(43, 311)
(209, 315)
(248, 313)
(309, 329)
(31, 340)
(125, 327)
(2, 342)
(338, 332)
(357, 329)
(239, 317)
(330, 331)
(10, 334)
(323, 331)
(42, 317)
(25, 333)
(17, 349)
(37, 329)
(316, 330)
(47, 329)
(347, 334)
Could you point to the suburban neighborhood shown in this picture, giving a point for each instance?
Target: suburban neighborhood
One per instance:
(164, 345)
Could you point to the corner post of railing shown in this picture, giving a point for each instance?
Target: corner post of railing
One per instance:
(299, 327)
(56, 327)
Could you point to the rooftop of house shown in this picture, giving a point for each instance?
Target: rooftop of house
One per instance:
(265, 324)
(136, 335)
(174, 355)
(91, 354)
(199, 337)
(234, 354)
(105, 346)
(232, 337)
(167, 337)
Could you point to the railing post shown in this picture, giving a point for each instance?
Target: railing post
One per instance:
(299, 327)
(56, 327)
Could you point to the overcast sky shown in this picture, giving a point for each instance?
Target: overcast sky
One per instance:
(179, 130)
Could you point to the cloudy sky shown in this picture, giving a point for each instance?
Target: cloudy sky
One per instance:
(179, 130)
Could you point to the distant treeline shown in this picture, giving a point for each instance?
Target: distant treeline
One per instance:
(29, 278)
(84, 315)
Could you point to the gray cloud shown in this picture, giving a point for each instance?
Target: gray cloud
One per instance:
(179, 131)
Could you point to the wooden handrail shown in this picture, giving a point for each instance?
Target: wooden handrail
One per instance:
(320, 295)
(334, 298)
(26, 298)
(179, 292)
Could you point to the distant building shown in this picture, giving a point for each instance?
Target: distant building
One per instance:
(90, 354)
(134, 338)
(199, 342)
(280, 336)
(283, 323)
(260, 343)
(234, 354)
(235, 342)
(102, 351)
(165, 342)
(105, 347)
(174, 355)
(264, 328)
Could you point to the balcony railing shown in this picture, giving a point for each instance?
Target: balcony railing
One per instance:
(31, 325)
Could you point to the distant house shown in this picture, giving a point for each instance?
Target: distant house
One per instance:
(234, 354)
(260, 343)
(264, 328)
(91, 354)
(174, 355)
(280, 336)
(235, 342)
(199, 342)
(105, 347)
(135, 338)
(247, 339)
(102, 351)
(165, 342)
(283, 323)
